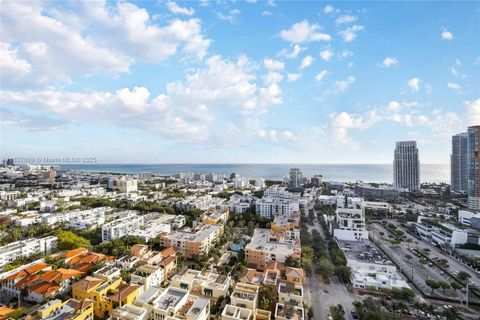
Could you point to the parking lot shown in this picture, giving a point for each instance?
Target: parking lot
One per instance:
(413, 267)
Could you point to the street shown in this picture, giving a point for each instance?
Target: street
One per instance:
(322, 296)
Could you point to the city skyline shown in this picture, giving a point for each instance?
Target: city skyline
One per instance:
(239, 82)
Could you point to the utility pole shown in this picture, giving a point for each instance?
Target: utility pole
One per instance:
(467, 296)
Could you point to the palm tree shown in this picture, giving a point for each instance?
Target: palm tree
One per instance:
(451, 314)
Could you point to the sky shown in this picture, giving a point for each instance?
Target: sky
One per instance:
(237, 81)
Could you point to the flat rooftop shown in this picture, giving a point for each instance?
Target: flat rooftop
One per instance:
(363, 251)
(170, 298)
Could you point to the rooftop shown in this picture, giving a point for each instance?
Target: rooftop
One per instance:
(363, 251)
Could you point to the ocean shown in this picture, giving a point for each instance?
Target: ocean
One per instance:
(432, 173)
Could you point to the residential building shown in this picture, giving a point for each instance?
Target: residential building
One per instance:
(377, 192)
(349, 221)
(47, 284)
(122, 227)
(123, 185)
(289, 312)
(288, 293)
(277, 199)
(168, 303)
(295, 181)
(473, 162)
(9, 283)
(266, 246)
(236, 313)
(406, 166)
(459, 163)
(106, 294)
(70, 309)
(25, 248)
(148, 276)
(202, 283)
(129, 312)
(469, 218)
(193, 241)
(445, 234)
(245, 295)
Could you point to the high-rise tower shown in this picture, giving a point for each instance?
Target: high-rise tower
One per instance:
(459, 163)
(406, 166)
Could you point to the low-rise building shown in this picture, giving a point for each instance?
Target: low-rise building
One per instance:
(193, 241)
(70, 309)
(267, 246)
(122, 227)
(148, 276)
(289, 312)
(469, 218)
(370, 267)
(202, 283)
(25, 248)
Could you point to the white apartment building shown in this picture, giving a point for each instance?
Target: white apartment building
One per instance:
(240, 183)
(148, 276)
(122, 227)
(442, 233)
(276, 199)
(268, 207)
(77, 219)
(25, 248)
(370, 267)
(350, 219)
(469, 218)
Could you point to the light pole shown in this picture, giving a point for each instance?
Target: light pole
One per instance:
(467, 297)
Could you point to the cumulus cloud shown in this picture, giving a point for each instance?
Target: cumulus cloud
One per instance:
(302, 32)
(345, 19)
(414, 84)
(473, 112)
(276, 136)
(175, 8)
(307, 61)
(230, 16)
(328, 9)
(343, 122)
(453, 85)
(351, 33)
(183, 111)
(446, 35)
(326, 54)
(293, 53)
(12, 67)
(321, 75)
(389, 61)
(271, 64)
(92, 37)
(394, 106)
(341, 86)
(291, 77)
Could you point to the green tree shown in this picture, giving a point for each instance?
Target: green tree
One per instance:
(338, 313)
(343, 273)
(462, 275)
(455, 285)
(452, 314)
(444, 285)
(432, 284)
(68, 240)
(325, 267)
(267, 296)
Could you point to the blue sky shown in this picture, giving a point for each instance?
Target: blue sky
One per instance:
(236, 81)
